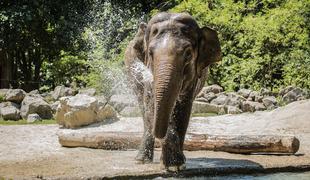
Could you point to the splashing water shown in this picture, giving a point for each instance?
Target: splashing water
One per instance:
(109, 26)
(140, 70)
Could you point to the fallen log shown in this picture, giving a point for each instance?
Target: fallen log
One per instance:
(244, 144)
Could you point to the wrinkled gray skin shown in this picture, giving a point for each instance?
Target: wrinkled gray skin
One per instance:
(177, 52)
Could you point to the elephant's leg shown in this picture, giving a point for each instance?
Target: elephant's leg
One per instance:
(172, 147)
(146, 149)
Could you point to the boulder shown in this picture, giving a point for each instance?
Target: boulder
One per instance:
(106, 112)
(234, 99)
(133, 111)
(250, 106)
(284, 91)
(15, 95)
(3, 92)
(36, 104)
(219, 100)
(244, 92)
(89, 91)
(34, 92)
(10, 111)
(233, 110)
(212, 88)
(54, 106)
(270, 102)
(31, 118)
(265, 92)
(61, 91)
(202, 107)
(81, 110)
(209, 96)
(255, 96)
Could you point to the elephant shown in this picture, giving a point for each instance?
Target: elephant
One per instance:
(167, 64)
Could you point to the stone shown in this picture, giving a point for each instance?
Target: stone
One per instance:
(10, 111)
(289, 97)
(219, 100)
(270, 102)
(133, 111)
(3, 92)
(234, 99)
(203, 107)
(265, 92)
(61, 91)
(35, 104)
(251, 106)
(201, 99)
(54, 106)
(244, 92)
(284, 91)
(82, 110)
(106, 112)
(15, 95)
(255, 96)
(209, 96)
(233, 110)
(31, 118)
(212, 88)
(34, 92)
(89, 91)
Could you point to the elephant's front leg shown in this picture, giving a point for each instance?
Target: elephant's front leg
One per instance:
(146, 149)
(173, 158)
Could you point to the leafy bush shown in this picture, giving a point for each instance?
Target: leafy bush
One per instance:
(264, 43)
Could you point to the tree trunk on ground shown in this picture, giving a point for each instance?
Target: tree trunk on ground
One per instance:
(235, 143)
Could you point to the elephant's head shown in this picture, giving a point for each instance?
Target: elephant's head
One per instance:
(177, 51)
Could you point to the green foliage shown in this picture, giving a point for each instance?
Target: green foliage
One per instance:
(2, 98)
(265, 43)
(67, 69)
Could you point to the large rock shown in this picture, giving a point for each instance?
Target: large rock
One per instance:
(234, 99)
(15, 95)
(89, 91)
(106, 112)
(33, 118)
(202, 107)
(10, 111)
(232, 110)
(244, 92)
(81, 110)
(61, 91)
(255, 96)
(270, 102)
(36, 104)
(220, 100)
(3, 92)
(212, 88)
(250, 106)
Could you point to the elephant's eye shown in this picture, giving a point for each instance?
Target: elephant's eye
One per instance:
(188, 54)
(154, 32)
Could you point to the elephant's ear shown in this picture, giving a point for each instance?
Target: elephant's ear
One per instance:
(209, 49)
(138, 41)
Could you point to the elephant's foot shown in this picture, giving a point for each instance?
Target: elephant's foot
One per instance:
(172, 158)
(146, 150)
(144, 157)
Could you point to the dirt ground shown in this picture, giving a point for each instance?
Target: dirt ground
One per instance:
(33, 151)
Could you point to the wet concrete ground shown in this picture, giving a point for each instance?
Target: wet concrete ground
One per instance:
(33, 151)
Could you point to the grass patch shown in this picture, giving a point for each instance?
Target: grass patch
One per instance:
(204, 114)
(23, 122)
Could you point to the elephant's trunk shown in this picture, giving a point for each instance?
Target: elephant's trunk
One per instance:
(167, 86)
